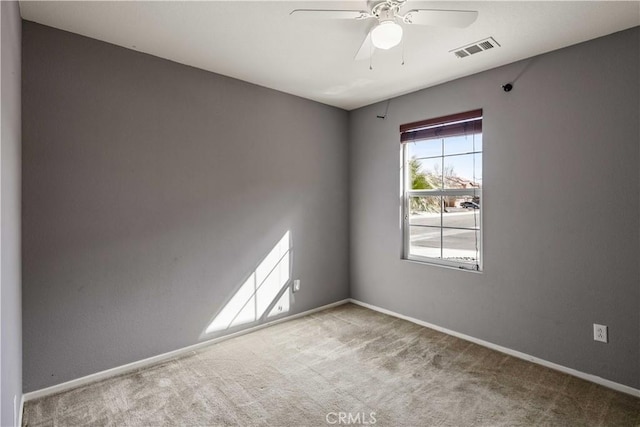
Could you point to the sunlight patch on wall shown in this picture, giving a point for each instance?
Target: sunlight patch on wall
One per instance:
(260, 291)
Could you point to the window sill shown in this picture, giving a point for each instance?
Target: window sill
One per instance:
(436, 264)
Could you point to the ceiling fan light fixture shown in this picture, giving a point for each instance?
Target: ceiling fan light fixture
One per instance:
(386, 35)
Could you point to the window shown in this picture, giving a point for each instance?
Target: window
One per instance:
(442, 190)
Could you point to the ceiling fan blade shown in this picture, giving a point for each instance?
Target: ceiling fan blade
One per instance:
(441, 18)
(330, 14)
(366, 48)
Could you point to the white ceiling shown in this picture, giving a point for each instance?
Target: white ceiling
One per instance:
(259, 42)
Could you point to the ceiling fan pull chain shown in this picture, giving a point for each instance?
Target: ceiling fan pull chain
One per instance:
(402, 51)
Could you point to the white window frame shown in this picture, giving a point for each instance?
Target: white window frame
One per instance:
(407, 193)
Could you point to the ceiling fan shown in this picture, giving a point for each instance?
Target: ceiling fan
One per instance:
(386, 32)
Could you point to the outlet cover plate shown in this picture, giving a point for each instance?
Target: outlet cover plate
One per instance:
(600, 333)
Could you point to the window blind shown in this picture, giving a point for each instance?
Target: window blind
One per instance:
(467, 123)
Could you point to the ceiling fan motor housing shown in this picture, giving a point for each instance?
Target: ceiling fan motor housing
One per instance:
(385, 9)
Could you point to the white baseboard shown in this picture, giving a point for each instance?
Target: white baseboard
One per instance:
(21, 409)
(589, 377)
(118, 370)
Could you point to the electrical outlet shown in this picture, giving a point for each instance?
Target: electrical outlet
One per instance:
(600, 333)
(296, 285)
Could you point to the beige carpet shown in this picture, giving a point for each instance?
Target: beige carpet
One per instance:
(372, 368)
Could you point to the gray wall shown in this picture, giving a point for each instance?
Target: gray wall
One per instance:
(10, 305)
(151, 190)
(10, 272)
(561, 203)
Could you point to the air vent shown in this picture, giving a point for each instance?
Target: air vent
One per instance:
(485, 45)
(473, 48)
